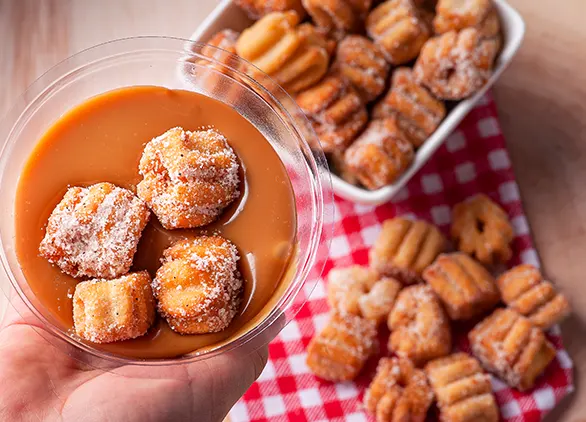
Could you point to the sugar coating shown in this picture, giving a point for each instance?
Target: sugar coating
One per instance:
(339, 352)
(105, 311)
(338, 17)
(94, 231)
(455, 15)
(404, 248)
(420, 329)
(511, 347)
(256, 9)
(398, 392)
(397, 27)
(463, 391)
(347, 285)
(198, 286)
(188, 177)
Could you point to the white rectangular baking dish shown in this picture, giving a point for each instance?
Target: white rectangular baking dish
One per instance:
(228, 15)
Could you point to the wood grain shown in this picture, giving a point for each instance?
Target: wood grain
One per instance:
(540, 100)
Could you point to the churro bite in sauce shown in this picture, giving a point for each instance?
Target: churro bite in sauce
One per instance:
(198, 286)
(105, 311)
(188, 178)
(94, 231)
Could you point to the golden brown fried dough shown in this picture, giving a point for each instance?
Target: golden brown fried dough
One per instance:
(455, 15)
(256, 9)
(94, 231)
(338, 17)
(508, 345)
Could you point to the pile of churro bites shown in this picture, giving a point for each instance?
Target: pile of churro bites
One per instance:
(373, 78)
(188, 179)
(421, 290)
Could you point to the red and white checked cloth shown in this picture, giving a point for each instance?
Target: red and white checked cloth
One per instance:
(474, 159)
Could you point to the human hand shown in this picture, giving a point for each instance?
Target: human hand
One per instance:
(39, 381)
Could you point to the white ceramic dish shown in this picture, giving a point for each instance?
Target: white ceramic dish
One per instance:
(227, 15)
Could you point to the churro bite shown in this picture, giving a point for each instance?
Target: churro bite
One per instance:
(339, 167)
(419, 326)
(224, 39)
(256, 9)
(94, 231)
(338, 17)
(377, 304)
(524, 290)
(188, 178)
(335, 110)
(418, 113)
(380, 155)
(455, 15)
(404, 248)
(398, 392)
(465, 287)
(105, 311)
(481, 228)
(340, 351)
(363, 63)
(295, 58)
(455, 65)
(510, 346)
(462, 389)
(199, 286)
(398, 29)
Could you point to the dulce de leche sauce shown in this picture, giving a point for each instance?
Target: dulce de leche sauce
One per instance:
(102, 140)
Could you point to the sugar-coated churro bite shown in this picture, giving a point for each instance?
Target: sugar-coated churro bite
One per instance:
(481, 228)
(105, 311)
(524, 290)
(510, 346)
(94, 231)
(379, 301)
(465, 287)
(398, 29)
(404, 248)
(380, 155)
(188, 178)
(418, 112)
(339, 167)
(455, 65)
(293, 56)
(199, 286)
(224, 39)
(256, 9)
(335, 110)
(420, 328)
(398, 392)
(339, 352)
(338, 17)
(455, 15)
(462, 389)
(363, 63)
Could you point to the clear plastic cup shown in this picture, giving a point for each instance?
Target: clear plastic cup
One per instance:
(176, 64)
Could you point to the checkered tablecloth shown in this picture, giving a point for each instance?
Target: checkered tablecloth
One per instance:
(474, 159)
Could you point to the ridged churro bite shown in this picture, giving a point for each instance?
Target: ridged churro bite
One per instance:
(341, 349)
(398, 392)
(510, 346)
(256, 9)
(398, 29)
(465, 287)
(338, 17)
(105, 311)
(360, 291)
(524, 290)
(404, 248)
(462, 390)
(295, 57)
(380, 155)
(224, 39)
(94, 231)
(363, 63)
(455, 65)
(418, 113)
(419, 326)
(481, 228)
(199, 286)
(335, 110)
(455, 15)
(188, 178)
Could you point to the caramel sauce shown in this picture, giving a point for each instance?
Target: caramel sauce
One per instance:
(102, 140)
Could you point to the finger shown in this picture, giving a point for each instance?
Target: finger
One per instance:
(17, 312)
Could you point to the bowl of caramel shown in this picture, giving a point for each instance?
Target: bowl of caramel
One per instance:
(151, 216)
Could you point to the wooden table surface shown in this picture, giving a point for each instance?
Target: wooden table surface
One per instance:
(540, 99)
